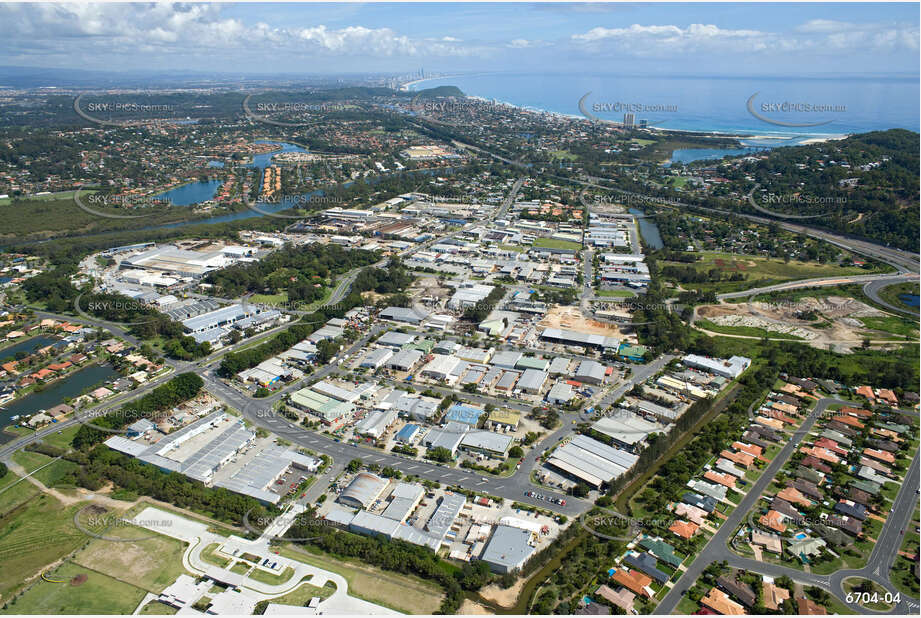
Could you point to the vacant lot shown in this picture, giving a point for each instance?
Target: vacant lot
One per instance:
(569, 317)
(98, 594)
(151, 563)
(760, 271)
(403, 593)
(553, 243)
(35, 531)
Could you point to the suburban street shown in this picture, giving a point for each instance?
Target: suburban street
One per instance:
(884, 552)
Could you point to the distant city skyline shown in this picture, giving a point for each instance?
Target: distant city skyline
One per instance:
(253, 39)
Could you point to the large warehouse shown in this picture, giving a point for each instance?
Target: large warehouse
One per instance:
(592, 461)
(364, 489)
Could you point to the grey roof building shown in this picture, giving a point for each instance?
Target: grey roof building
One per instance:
(532, 380)
(508, 549)
(405, 315)
(590, 371)
(364, 489)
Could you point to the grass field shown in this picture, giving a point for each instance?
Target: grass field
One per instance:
(35, 530)
(51, 470)
(563, 154)
(151, 563)
(63, 438)
(615, 293)
(156, 608)
(749, 331)
(760, 271)
(403, 593)
(306, 591)
(892, 324)
(269, 299)
(99, 594)
(850, 585)
(553, 243)
(891, 293)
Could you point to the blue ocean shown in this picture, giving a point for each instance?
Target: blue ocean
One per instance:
(830, 106)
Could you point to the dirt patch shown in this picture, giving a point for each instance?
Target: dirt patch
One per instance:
(78, 580)
(837, 316)
(472, 608)
(504, 597)
(571, 318)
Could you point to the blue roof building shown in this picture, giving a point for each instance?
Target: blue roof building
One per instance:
(462, 413)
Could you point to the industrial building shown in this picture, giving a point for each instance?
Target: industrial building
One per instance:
(592, 461)
(533, 380)
(364, 489)
(391, 524)
(730, 369)
(330, 411)
(571, 337)
(590, 372)
(508, 549)
(197, 450)
(258, 477)
(626, 429)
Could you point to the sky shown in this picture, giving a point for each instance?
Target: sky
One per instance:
(699, 39)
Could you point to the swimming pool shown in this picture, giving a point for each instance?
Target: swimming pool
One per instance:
(800, 536)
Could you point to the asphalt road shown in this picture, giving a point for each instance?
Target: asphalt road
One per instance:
(880, 281)
(873, 288)
(877, 568)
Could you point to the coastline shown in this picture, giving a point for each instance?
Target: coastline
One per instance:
(734, 134)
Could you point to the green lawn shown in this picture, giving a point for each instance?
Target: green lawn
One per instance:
(851, 584)
(271, 578)
(615, 293)
(563, 154)
(50, 470)
(151, 562)
(553, 243)
(302, 595)
(208, 555)
(99, 594)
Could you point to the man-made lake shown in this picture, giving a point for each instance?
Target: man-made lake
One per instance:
(192, 193)
(71, 386)
(28, 346)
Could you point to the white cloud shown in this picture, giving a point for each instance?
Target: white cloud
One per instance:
(816, 35)
(182, 28)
